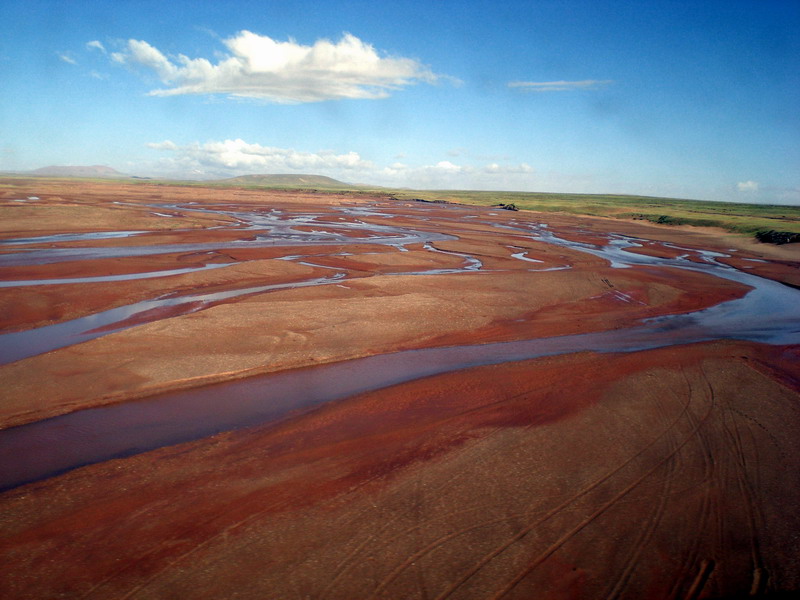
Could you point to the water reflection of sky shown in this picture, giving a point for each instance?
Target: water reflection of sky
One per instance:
(769, 313)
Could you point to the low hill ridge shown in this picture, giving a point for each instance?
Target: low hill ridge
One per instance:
(77, 171)
(287, 180)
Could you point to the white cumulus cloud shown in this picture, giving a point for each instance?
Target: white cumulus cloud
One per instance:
(448, 175)
(747, 186)
(559, 86)
(504, 169)
(257, 66)
(448, 167)
(215, 159)
(237, 157)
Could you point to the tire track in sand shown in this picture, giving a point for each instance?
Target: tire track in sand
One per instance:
(689, 563)
(538, 560)
(654, 518)
(738, 457)
(522, 532)
(348, 563)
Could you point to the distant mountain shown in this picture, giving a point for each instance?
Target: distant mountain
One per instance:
(77, 171)
(287, 180)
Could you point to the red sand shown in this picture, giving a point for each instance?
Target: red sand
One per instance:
(672, 473)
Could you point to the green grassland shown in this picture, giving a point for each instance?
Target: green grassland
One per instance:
(748, 219)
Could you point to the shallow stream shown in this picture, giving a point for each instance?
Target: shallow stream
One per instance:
(769, 313)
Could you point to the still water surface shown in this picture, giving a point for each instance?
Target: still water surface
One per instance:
(769, 313)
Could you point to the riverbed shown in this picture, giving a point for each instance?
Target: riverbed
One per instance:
(371, 343)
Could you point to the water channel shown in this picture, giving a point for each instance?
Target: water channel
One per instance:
(769, 313)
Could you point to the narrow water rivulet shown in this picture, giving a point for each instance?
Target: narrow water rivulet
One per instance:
(769, 313)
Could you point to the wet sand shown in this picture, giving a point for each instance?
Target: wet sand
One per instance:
(662, 473)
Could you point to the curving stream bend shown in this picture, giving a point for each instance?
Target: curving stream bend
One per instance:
(769, 313)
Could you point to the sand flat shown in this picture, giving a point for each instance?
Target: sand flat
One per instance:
(661, 473)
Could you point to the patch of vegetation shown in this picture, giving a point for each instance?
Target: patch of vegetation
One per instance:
(778, 237)
(510, 206)
(673, 220)
(756, 220)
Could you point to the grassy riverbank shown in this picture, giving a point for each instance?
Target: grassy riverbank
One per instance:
(748, 219)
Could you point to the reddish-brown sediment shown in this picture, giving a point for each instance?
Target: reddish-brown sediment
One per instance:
(630, 472)
(785, 271)
(667, 473)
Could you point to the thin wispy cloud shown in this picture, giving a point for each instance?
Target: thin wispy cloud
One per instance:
(559, 86)
(96, 45)
(282, 72)
(67, 58)
(747, 186)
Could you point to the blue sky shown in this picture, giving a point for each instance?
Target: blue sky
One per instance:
(683, 99)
